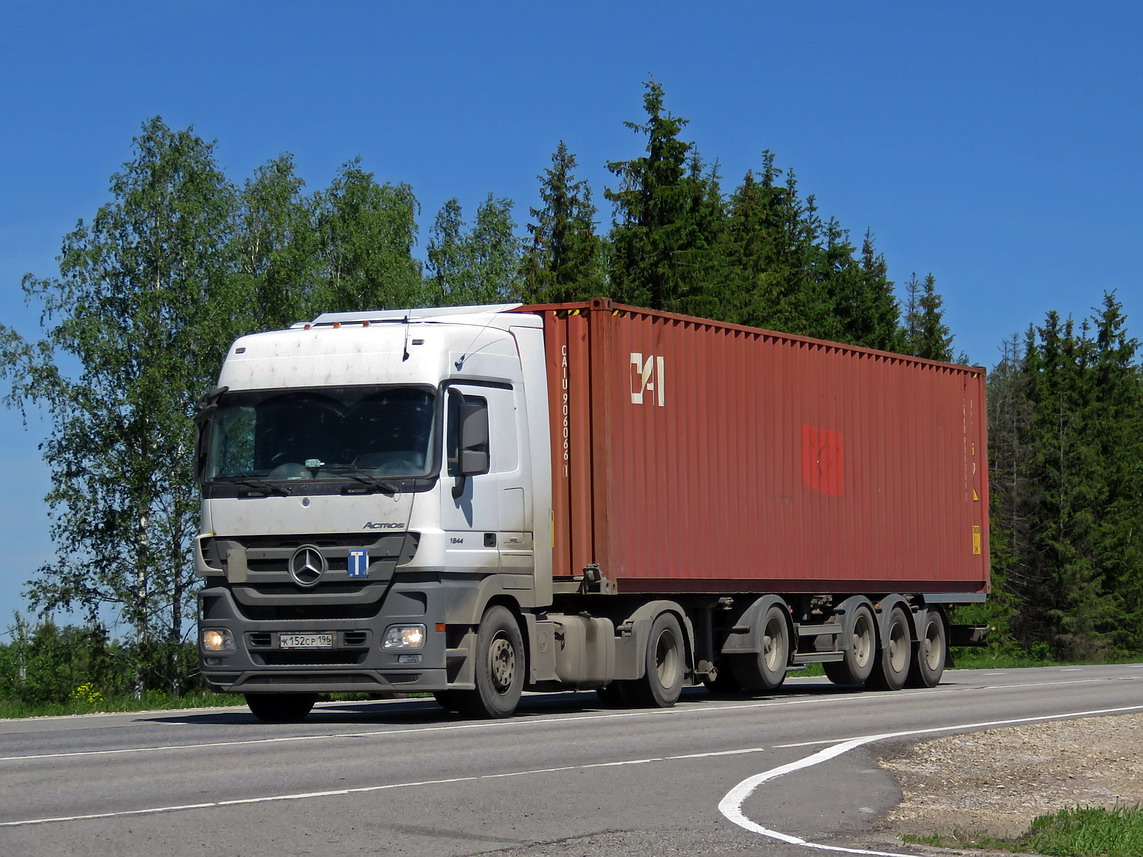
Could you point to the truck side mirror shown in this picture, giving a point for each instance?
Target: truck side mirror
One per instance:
(474, 458)
(468, 416)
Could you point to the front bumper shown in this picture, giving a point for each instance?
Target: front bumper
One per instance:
(355, 663)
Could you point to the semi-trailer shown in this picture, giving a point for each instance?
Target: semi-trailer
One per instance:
(478, 501)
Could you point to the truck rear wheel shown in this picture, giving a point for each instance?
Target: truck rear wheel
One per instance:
(281, 707)
(665, 664)
(859, 642)
(931, 652)
(891, 666)
(767, 670)
(501, 665)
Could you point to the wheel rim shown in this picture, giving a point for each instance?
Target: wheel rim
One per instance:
(932, 647)
(898, 647)
(502, 658)
(667, 658)
(772, 654)
(862, 640)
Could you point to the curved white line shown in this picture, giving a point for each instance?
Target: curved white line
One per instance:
(731, 805)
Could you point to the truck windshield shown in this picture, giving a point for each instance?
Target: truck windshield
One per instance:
(331, 433)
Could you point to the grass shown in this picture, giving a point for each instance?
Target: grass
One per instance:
(151, 701)
(1076, 832)
(976, 658)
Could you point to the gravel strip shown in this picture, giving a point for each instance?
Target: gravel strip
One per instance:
(997, 781)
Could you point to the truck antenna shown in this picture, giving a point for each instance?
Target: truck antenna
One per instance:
(468, 352)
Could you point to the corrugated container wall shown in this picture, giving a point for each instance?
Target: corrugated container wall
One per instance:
(697, 456)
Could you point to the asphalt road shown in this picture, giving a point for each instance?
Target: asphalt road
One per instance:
(565, 777)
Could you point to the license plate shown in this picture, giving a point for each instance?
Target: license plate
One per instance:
(305, 641)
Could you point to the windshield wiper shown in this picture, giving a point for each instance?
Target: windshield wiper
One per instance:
(358, 475)
(257, 485)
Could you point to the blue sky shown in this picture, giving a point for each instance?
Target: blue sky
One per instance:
(995, 144)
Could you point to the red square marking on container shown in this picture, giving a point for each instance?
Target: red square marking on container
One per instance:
(823, 460)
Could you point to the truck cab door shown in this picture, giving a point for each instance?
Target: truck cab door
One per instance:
(482, 490)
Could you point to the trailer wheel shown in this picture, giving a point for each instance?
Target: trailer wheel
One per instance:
(281, 707)
(665, 664)
(891, 667)
(500, 666)
(859, 645)
(930, 654)
(767, 670)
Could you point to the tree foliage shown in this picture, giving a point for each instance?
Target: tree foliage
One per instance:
(149, 295)
(144, 306)
(663, 234)
(1066, 421)
(477, 264)
(366, 235)
(565, 261)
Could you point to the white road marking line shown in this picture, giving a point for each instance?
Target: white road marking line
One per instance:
(366, 789)
(731, 805)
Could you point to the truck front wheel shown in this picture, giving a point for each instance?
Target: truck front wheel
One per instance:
(281, 707)
(501, 665)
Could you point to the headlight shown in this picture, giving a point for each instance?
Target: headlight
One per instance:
(404, 637)
(217, 640)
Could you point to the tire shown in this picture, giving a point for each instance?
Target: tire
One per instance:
(931, 652)
(767, 670)
(665, 663)
(724, 683)
(895, 657)
(615, 695)
(281, 707)
(860, 647)
(450, 700)
(501, 665)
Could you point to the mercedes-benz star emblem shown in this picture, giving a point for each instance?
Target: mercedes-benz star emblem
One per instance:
(307, 565)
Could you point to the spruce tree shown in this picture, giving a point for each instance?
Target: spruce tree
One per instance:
(565, 260)
(660, 237)
(874, 320)
(926, 334)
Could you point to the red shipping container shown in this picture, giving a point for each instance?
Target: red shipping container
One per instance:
(697, 456)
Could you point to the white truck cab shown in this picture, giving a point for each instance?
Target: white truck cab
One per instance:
(371, 488)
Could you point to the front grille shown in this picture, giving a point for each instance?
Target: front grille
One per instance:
(270, 555)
